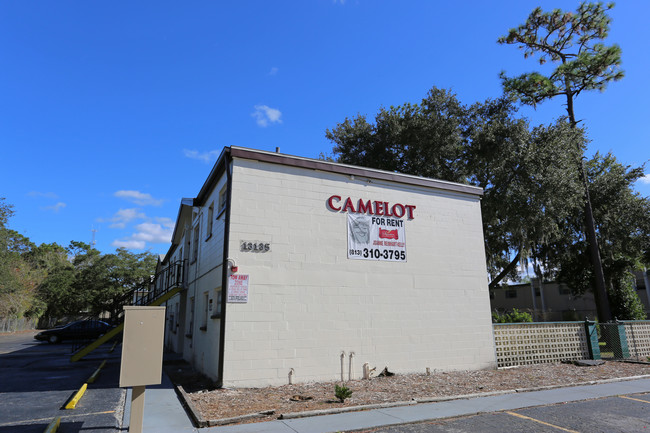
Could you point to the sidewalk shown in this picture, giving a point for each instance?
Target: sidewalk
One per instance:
(163, 412)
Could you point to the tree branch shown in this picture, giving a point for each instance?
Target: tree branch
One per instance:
(505, 271)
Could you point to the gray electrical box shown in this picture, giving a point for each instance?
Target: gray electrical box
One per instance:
(142, 348)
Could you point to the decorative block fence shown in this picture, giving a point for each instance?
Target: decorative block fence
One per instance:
(548, 342)
(539, 343)
(637, 334)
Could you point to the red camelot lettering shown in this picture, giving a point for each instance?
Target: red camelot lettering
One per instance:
(370, 207)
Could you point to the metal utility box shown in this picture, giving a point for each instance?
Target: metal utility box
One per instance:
(142, 348)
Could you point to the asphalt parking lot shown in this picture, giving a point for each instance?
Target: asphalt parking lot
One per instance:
(37, 379)
(621, 414)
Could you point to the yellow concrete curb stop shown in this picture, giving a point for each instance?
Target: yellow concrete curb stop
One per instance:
(73, 402)
(53, 426)
(92, 378)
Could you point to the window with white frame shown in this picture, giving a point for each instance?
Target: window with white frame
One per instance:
(204, 317)
(216, 307)
(195, 244)
(223, 199)
(210, 221)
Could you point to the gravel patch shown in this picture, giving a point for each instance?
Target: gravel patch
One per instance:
(272, 402)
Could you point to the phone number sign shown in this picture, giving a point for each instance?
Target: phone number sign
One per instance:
(376, 238)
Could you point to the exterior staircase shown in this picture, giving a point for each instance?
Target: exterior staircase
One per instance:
(168, 282)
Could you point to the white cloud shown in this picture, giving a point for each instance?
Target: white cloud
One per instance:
(206, 157)
(139, 198)
(645, 179)
(129, 244)
(55, 208)
(124, 216)
(42, 194)
(153, 232)
(148, 232)
(265, 115)
(166, 222)
(274, 71)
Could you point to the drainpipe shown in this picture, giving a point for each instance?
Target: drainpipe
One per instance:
(342, 366)
(224, 267)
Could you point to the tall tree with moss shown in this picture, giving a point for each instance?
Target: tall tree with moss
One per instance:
(623, 217)
(572, 41)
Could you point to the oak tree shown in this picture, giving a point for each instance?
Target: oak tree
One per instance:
(528, 176)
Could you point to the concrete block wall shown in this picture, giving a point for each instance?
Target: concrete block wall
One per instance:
(308, 302)
(539, 343)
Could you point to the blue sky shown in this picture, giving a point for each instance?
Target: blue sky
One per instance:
(110, 112)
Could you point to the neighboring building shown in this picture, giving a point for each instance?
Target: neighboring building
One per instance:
(554, 301)
(330, 266)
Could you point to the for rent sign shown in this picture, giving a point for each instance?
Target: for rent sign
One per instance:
(238, 288)
(376, 238)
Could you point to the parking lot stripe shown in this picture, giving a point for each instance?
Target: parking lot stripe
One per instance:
(635, 399)
(541, 422)
(32, 421)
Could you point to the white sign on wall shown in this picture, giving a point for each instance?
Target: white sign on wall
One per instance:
(376, 238)
(238, 289)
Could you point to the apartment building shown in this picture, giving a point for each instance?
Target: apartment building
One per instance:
(305, 268)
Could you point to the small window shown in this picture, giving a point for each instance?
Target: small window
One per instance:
(204, 319)
(210, 221)
(491, 294)
(195, 245)
(223, 199)
(215, 310)
(191, 327)
(538, 292)
(563, 289)
(511, 293)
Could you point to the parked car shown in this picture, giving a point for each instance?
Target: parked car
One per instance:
(79, 330)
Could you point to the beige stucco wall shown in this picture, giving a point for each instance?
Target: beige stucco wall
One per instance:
(308, 302)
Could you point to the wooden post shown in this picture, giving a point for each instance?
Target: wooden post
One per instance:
(137, 409)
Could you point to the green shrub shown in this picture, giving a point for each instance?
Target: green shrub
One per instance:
(342, 392)
(514, 316)
(624, 301)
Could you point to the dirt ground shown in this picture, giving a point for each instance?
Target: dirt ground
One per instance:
(214, 404)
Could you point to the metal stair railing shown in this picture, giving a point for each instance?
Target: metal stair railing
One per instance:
(168, 278)
(166, 283)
